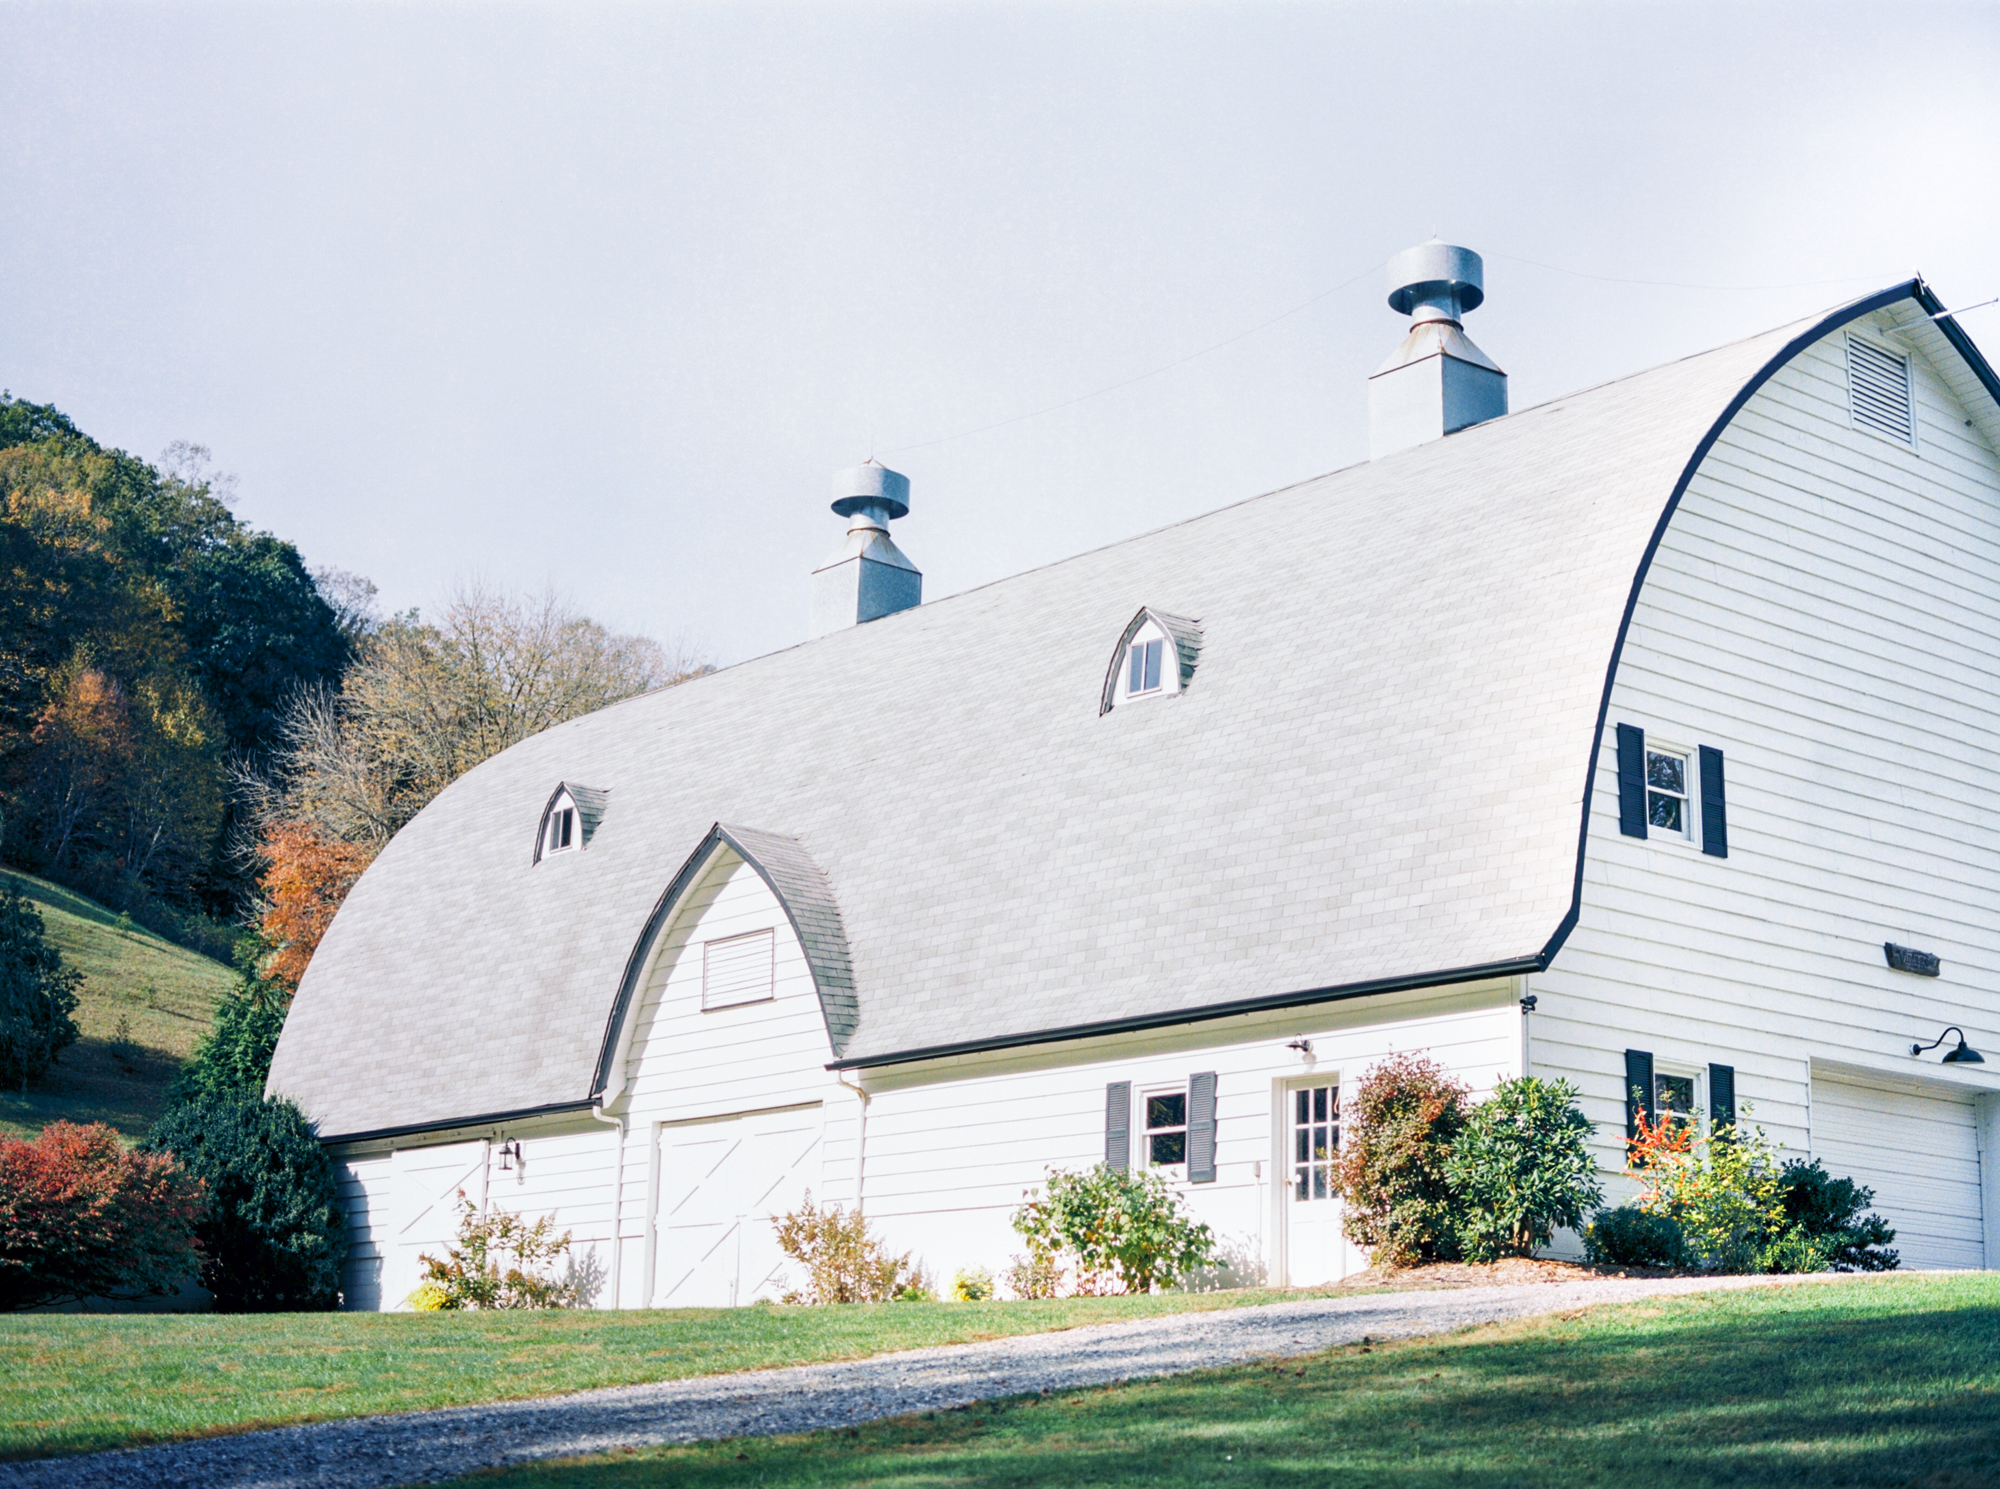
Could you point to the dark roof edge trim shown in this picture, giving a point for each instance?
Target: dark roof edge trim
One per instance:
(663, 909)
(1910, 289)
(1480, 973)
(487, 1119)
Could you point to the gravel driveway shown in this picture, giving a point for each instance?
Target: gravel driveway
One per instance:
(426, 1447)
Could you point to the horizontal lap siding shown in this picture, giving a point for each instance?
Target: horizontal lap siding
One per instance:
(951, 1152)
(1825, 609)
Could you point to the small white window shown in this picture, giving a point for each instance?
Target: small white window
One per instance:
(1142, 673)
(738, 969)
(1669, 806)
(1166, 1127)
(1154, 658)
(562, 830)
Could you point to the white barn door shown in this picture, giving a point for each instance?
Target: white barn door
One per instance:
(429, 1182)
(723, 1185)
(1916, 1145)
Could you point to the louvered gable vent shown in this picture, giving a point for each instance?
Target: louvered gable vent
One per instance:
(1878, 390)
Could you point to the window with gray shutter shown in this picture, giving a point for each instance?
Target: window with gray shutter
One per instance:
(1118, 1125)
(1878, 391)
(1201, 1127)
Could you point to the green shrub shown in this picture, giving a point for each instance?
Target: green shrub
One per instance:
(1825, 1219)
(497, 1263)
(972, 1286)
(37, 992)
(843, 1263)
(1520, 1167)
(1108, 1225)
(1631, 1237)
(1398, 1130)
(1033, 1276)
(1721, 1188)
(80, 1217)
(273, 1239)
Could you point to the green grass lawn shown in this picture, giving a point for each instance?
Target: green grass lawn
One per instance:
(1866, 1383)
(166, 992)
(71, 1382)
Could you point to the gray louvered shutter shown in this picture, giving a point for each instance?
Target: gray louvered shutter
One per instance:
(1118, 1125)
(1721, 1096)
(1201, 1128)
(1639, 1076)
(1631, 781)
(1714, 822)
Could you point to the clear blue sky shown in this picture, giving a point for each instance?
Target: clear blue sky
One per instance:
(599, 296)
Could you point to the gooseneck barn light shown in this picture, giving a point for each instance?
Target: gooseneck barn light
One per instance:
(1965, 1054)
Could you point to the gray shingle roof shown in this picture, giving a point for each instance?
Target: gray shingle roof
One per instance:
(1379, 775)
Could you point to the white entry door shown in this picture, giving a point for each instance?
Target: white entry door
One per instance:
(1315, 1250)
(723, 1185)
(1915, 1144)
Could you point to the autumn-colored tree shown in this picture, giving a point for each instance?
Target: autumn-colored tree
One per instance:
(308, 876)
(82, 748)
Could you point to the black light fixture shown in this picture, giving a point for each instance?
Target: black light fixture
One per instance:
(510, 1153)
(1965, 1054)
(1303, 1046)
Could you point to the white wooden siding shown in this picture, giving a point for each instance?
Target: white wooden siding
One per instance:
(1825, 609)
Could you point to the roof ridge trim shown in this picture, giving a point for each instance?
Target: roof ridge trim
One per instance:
(1826, 325)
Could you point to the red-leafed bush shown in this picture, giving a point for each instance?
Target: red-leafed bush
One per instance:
(80, 1217)
(1400, 1125)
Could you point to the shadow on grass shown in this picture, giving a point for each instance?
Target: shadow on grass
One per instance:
(1702, 1396)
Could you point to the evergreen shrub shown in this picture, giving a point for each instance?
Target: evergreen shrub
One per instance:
(1521, 1167)
(273, 1239)
(1631, 1237)
(1826, 1218)
(37, 992)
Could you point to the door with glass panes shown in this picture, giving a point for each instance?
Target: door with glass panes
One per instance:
(1315, 1250)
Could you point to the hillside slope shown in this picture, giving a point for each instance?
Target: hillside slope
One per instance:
(168, 995)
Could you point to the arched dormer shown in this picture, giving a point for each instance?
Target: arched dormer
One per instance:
(570, 820)
(1154, 658)
(806, 897)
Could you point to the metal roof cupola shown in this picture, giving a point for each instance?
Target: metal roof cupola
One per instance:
(1437, 382)
(867, 577)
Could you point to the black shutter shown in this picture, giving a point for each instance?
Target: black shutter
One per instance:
(1201, 1127)
(1639, 1076)
(1721, 1096)
(1631, 781)
(1714, 823)
(1118, 1125)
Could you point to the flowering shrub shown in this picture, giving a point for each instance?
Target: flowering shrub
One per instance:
(1722, 1190)
(1520, 1167)
(844, 1264)
(1111, 1226)
(80, 1217)
(1400, 1125)
(494, 1265)
(973, 1286)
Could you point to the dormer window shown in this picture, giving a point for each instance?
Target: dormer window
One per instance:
(1155, 658)
(569, 820)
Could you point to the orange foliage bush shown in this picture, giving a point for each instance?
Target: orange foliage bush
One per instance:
(309, 874)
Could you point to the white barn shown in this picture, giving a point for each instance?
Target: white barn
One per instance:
(1646, 736)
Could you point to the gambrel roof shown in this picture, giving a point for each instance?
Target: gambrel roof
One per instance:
(1378, 781)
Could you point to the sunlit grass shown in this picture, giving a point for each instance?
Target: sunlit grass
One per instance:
(1854, 1385)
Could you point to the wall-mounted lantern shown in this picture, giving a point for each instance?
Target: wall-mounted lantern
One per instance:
(510, 1153)
(1965, 1054)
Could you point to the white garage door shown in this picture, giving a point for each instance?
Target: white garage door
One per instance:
(723, 1184)
(1918, 1149)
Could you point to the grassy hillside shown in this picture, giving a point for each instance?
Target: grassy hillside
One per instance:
(165, 993)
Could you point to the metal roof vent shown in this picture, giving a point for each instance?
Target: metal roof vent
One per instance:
(866, 577)
(1438, 382)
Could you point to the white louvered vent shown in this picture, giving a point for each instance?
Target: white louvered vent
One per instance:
(1878, 391)
(738, 969)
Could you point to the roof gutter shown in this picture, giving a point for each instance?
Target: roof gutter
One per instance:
(1480, 973)
(487, 1119)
